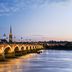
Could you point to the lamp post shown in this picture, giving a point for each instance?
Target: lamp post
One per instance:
(21, 39)
(14, 39)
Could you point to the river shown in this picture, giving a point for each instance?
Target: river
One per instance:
(47, 61)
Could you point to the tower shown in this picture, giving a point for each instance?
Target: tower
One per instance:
(10, 35)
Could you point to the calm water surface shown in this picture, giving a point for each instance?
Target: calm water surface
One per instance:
(48, 61)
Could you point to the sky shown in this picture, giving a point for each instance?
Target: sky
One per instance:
(37, 19)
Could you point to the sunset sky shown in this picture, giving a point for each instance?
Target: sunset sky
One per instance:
(37, 19)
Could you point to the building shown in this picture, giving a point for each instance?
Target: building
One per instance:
(3, 41)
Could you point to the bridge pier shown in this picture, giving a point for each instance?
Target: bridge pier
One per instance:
(10, 55)
(24, 52)
(2, 57)
(18, 53)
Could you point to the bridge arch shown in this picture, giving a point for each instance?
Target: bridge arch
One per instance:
(26, 47)
(17, 51)
(7, 51)
(22, 48)
(33, 47)
(30, 47)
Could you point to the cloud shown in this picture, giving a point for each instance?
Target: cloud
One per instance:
(57, 1)
(10, 6)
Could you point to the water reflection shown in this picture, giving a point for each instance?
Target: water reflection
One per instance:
(17, 65)
(48, 61)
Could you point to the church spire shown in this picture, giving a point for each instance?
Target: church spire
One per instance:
(10, 35)
(10, 29)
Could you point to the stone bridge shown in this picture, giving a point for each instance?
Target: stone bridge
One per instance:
(13, 50)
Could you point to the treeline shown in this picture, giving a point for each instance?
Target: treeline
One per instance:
(60, 48)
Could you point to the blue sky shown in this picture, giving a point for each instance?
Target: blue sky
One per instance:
(37, 19)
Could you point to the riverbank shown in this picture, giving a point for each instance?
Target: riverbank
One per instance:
(58, 47)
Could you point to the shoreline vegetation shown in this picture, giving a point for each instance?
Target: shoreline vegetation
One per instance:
(59, 48)
(58, 45)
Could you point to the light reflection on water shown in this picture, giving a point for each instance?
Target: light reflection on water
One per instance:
(48, 61)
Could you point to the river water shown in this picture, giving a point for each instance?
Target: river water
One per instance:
(47, 61)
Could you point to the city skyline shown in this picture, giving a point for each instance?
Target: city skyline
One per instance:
(37, 20)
